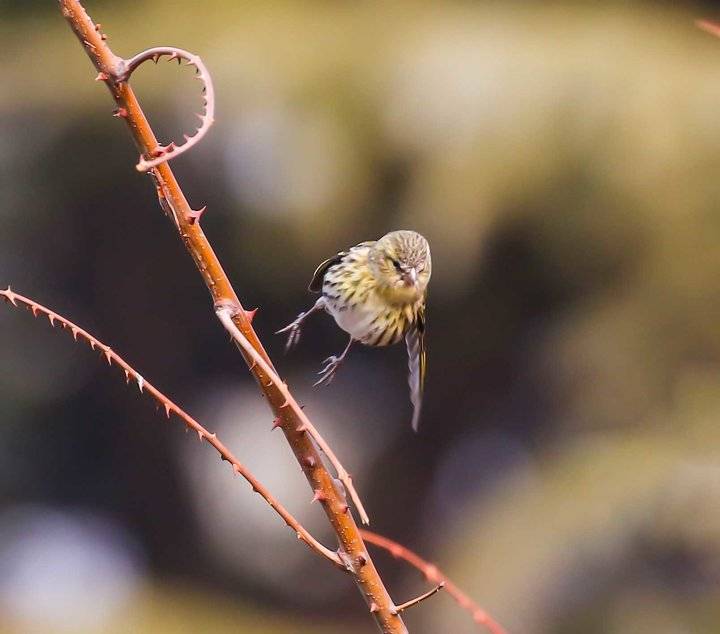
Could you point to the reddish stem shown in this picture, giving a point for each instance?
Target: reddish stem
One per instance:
(171, 408)
(434, 575)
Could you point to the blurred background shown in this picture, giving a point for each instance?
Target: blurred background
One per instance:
(562, 159)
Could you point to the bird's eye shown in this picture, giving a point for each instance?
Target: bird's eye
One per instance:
(396, 264)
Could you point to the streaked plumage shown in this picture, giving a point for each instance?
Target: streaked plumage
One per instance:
(376, 293)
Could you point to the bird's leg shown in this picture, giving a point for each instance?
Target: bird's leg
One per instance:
(295, 326)
(330, 366)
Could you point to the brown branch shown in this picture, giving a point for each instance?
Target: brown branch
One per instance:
(434, 575)
(352, 549)
(172, 408)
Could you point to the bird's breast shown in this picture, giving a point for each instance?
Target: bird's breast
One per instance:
(372, 322)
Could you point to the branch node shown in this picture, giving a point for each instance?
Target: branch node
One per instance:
(9, 296)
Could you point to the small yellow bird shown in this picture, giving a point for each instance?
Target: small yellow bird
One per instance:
(376, 293)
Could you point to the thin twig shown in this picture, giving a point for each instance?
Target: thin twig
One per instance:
(413, 602)
(206, 118)
(172, 408)
(434, 575)
(224, 314)
(352, 549)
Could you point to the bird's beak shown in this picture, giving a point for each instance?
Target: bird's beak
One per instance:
(410, 277)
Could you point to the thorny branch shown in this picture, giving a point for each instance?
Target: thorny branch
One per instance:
(206, 118)
(225, 314)
(434, 575)
(112, 70)
(172, 408)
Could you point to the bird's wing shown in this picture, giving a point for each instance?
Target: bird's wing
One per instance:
(316, 283)
(415, 341)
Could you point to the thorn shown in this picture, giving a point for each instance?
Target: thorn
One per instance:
(140, 381)
(51, 319)
(120, 112)
(318, 496)
(345, 509)
(374, 608)
(34, 310)
(301, 429)
(250, 314)
(98, 26)
(285, 404)
(168, 408)
(92, 345)
(102, 76)
(10, 296)
(194, 214)
(236, 469)
(276, 423)
(268, 384)
(127, 376)
(74, 332)
(309, 461)
(108, 355)
(200, 434)
(155, 58)
(361, 560)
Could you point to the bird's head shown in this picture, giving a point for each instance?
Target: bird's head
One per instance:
(401, 264)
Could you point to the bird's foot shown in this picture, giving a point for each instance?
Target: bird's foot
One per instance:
(294, 331)
(328, 369)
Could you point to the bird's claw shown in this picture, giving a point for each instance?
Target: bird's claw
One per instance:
(293, 337)
(327, 371)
